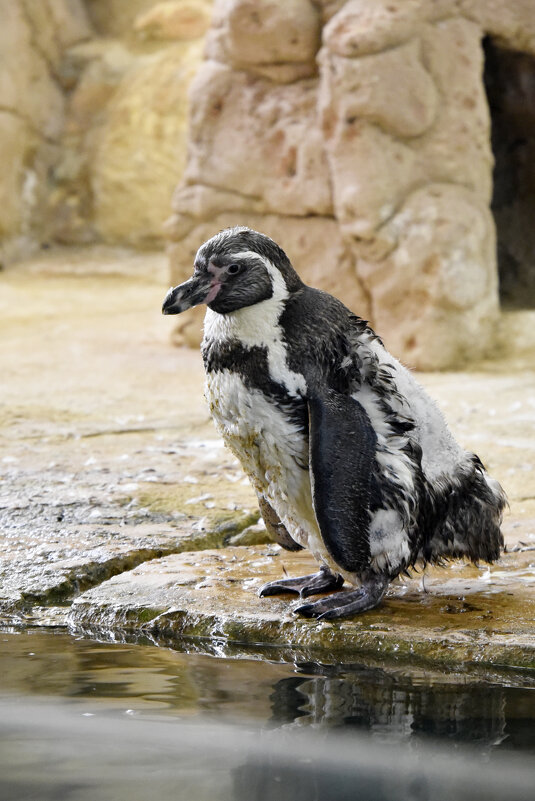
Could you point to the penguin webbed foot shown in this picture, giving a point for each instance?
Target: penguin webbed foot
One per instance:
(346, 604)
(313, 584)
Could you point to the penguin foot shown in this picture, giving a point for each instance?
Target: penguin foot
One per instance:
(324, 581)
(347, 604)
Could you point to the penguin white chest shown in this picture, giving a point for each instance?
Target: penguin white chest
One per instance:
(272, 449)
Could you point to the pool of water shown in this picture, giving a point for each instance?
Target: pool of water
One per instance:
(82, 719)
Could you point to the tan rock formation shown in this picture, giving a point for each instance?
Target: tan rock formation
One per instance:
(387, 146)
(125, 135)
(356, 132)
(272, 127)
(140, 148)
(93, 127)
(433, 294)
(246, 32)
(116, 18)
(32, 38)
(175, 19)
(97, 67)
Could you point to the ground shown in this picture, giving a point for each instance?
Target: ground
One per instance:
(121, 512)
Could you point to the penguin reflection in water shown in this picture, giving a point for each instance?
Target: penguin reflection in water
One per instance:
(348, 455)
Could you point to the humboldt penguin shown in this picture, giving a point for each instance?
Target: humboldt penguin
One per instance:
(348, 455)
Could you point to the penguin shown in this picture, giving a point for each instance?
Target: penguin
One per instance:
(348, 455)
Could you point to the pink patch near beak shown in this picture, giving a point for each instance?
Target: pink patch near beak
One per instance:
(214, 289)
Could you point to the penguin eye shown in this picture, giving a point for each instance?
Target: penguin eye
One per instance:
(233, 269)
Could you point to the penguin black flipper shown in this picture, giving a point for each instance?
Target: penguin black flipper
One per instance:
(342, 445)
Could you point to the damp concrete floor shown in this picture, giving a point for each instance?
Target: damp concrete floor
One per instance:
(122, 515)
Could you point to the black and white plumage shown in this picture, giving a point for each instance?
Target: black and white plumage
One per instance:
(348, 455)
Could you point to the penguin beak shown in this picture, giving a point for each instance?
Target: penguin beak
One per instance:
(199, 289)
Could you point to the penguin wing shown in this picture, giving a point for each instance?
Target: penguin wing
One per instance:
(342, 444)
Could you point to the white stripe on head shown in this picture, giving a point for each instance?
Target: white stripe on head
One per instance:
(258, 326)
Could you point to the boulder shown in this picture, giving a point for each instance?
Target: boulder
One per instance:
(124, 141)
(457, 148)
(175, 19)
(246, 32)
(394, 90)
(115, 18)
(361, 27)
(259, 139)
(512, 24)
(32, 39)
(440, 261)
(139, 150)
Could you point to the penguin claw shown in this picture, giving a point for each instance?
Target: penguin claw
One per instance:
(277, 588)
(346, 604)
(313, 584)
(332, 608)
(305, 610)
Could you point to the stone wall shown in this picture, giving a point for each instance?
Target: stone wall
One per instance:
(33, 37)
(93, 116)
(124, 142)
(357, 134)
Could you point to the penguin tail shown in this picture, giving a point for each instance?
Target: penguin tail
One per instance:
(467, 514)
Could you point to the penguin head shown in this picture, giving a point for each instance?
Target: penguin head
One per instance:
(237, 267)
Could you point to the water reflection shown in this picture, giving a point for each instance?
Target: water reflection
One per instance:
(395, 709)
(397, 706)
(391, 704)
(84, 721)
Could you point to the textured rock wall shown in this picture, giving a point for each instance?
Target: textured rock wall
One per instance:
(93, 114)
(33, 37)
(357, 134)
(124, 142)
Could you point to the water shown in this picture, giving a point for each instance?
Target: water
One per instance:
(84, 720)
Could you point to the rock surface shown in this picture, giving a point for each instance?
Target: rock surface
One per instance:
(108, 460)
(124, 142)
(93, 118)
(95, 479)
(185, 19)
(33, 37)
(463, 615)
(362, 125)
(382, 125)
(140, 149)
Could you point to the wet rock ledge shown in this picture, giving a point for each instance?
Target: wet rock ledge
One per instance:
(121, 515)
(460, 614)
